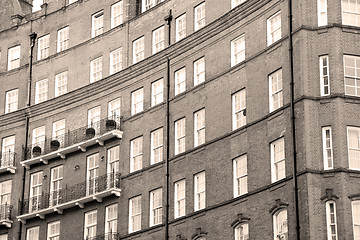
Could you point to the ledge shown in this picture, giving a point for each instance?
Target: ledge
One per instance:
(6, 222)
(10, 169)
(73, 148)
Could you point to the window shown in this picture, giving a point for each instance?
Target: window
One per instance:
(155, 207)
(331, 220)
(114, 110)
(240, 176)
(92, 183)
(354, 148)
(3, 237)
(72, 1)
(199, 71)
(94, 117)
(180, 143)
(351, 12)
(322, 12)
(41, 90)
(113, 156)
(111, 220)
(180, 81)
(352, 75)
(355, 205)
(97, 24)
(63, 39)
(116, 61)
(59, 131)
(199, 191)
(200, 20)
(56, 185)
(11, 101)
(138, 50)
(157, 92)
(5, 193)
(327, 148)
(8, 149)
(117, 12)
(280, 225)
(157, 146)
(136, 154)
(181, 27)
(53, 231)
(276, 91)
(32, 233)
(61, 83)
(96, 69)
(147, 4)
(43, 47)
(199, 126)
(14, 58)
(324, 75)
(36, 6)
(180, 198)
(242, 232)
(137, 100)
(274, 28)
(277, 160)
(235, 3)
(38, 138)
(158, 40)
(90, 224)
(238, 50)
(35, 191)
(134, 214)
(239, 109)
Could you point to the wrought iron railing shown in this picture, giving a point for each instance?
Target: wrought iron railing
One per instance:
(72, 137)
(7, 159)
(106, 236)
(69, 193)
(5, 212)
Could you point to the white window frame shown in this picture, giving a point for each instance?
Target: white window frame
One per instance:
(35, 190)
(134, 214)
(136, 153)
(39, 136)
(4, 236)
(271, 37)
(111, 220)
(53, 230)
(157, 92)
(114, 109)
(239, 109)
(138, 49)
(355, 210)
(200, 17)
(180, 198)
(137, 101)
(158, 39)
(117, 14)
(96, 69)
(235, 3)
(331, 222)
(32, 233)
(7, 151)
(90, 225)
(61, 80)
(116, 60)
(199, 192)
(275, 162)
(94, 116)
(63, 39)
(355, 77)
(5, 193)
(280, 233)
(180, 81)
(148, 4)
(327, 148)
(322, 12)
(12, 101)
(97, 23)
(43, 47)
(41, 91)
(92, 173)
(199, 71)
(351, 10)
(57, 174)
(72, 1)
(58, 128)
(240, 173)
(14, 54)
(156, 146)
(36, 5)
(198, 129)
(276, 99)
(156, 207)
(242, 231)
(180, 136)
(180, 27)
(324, 75)
(355, 149)
(238, 48)
(113, 156)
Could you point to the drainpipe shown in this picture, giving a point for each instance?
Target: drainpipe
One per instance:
(32, 44)
(293, 130)
(168, 19)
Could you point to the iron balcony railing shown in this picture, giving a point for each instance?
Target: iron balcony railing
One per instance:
(106, 236)
(7, 159)
(70, 193)
(72, 137)
(5, 212)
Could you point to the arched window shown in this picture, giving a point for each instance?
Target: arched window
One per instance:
(242, 232)
(280, 225)
(331, 220)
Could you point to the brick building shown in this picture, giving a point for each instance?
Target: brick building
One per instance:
(165, 119)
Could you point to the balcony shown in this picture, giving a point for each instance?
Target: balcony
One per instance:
(70, 196)
(72, 141)
(7, 162)
(5, 215)
(106, 236)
